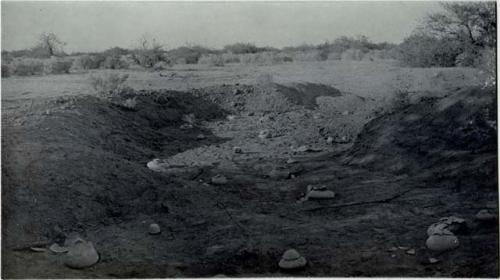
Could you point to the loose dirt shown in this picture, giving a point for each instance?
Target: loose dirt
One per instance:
(78, 164)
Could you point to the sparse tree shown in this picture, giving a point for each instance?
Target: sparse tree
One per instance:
(472, 23)
(50, 44)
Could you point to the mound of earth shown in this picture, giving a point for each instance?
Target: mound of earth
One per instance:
(453, 136)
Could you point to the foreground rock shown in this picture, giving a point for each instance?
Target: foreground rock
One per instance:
(292, 260)
(154, 229)
(442, 242)
(81, 255)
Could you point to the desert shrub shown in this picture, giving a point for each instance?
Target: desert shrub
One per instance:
(114, 62)
(108, 85)
(421, 50)
(162, 65)
(264, 80)
(5, 70)
(334, 56)
(87, 62)
(130, 103)
(231, 58)
(241, 48)
(188, 55)
(57, 66)
(27, 67)
(352, 55)
(212, 60)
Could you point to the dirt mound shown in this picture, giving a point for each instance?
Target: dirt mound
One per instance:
(74, 161)
(450, 136)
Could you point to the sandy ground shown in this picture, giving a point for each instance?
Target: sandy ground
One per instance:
(75, 163)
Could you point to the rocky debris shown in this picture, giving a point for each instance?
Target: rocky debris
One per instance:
(237, 150)
(263, 134)
(38, 249)
(154, 229)
(292, 260)
(201, 136)
(319, 192)
(58, 249)
(279, 174)
(219, 180)
(486, 216)
(186, 126)
(443, 242)
(81, 255)
(156, 165)
(189, 118)
(448, 225)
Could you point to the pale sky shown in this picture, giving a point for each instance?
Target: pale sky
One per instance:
(94, 26)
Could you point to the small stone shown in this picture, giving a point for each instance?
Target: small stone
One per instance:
(154, 229)
(237, 150)
(392, 249)
(485, 215)
(433, 260)
(403, 248)
(301, 149)
(156, 165)
(442, 242)
(291, 260)
(411, 252)
(320, 194)
(81, 255)
(237, 91)
(186, 126)
(230, 117)
(329, 140)
(201, 137)
(219, 180)
(393, 255)
(38, 249)
(345, 113)
(263, 134)
(56, 248)
(291, 161)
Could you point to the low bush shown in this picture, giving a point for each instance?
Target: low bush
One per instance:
(87, 62)
(27, 67)
(212, 60)
(422, 50)
(5, 70)
(57, 66)
(109, 84)
(114, 62)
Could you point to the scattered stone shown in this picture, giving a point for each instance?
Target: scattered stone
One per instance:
(279, 174)
(81, 255)
(442, 242)
(38, 249)
(231, 117)
(189, 118)
(403, 248)
(201, 136)
(291, 161)
(291, 260)
(154, 229)
(156, 165)
(433, 260)
(319, 192)
(345, 113)
(448, 225)
(219, 180)
(58, 249)
(393, 255)
(411, 252)
(71, 239)
(392, 249)
(343, 140)
(237, 91)
(301, 149)
(485, 215)
(329, 140)
(237, 150)
(186, 126)
(263, 134)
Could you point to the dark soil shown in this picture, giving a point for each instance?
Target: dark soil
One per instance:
(78, 164)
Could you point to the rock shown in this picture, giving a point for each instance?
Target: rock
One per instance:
(403, 248)
(156, 165)
(186, 126)
(291, 161)
(392, 249)
(38, 249)
(201, 137)
(433, 260)
(411, 252)
(485, 215)
(345, 113)
(154, 229)
(448, 225)
(263, 134)
(329, 140)
(237, 91)
(56, 248)
(301, 149)
(219, 180)
(320, 194)
(291, 260)
(230, 117)
(81, 255)
(237, 150)
(278, 174)
(442, 242)
(213, 250)
(71, 239)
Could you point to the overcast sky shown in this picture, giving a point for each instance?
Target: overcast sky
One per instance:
(93, 26)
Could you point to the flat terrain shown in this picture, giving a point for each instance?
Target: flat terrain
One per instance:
(72, 162)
